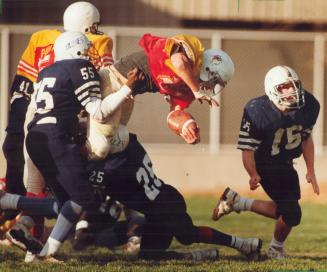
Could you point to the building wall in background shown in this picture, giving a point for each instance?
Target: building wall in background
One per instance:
(196, 169)
(244, 10)
(254, 14)
(253, 53)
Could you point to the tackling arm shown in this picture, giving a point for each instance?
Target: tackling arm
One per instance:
(101, 109)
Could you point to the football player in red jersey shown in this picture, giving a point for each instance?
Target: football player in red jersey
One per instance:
(79, 16)
(183, 71)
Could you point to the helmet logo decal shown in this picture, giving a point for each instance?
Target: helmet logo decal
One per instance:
(216, 59)
(77, 41)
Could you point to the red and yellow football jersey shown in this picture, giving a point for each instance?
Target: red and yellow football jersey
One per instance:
(158, 51)
(39, 52)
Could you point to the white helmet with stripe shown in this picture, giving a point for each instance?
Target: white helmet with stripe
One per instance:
(280, 77)
(71, 45)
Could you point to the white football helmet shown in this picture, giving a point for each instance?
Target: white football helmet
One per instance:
(71, 45)
(284, 76)
(83, 17)
(216, 70)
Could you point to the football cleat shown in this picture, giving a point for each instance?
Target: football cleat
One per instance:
(275, 253)
(20, 236)
(133, 245)
(226, 204)
(203, 255)
(29, 257)
(82, 239)
(251, 247)
(47, 259)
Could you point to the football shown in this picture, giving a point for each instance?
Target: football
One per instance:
(178, 119)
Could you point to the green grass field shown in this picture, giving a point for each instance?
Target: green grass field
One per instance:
(307, 247)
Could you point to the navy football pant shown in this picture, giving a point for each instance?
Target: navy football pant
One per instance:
(281, 183)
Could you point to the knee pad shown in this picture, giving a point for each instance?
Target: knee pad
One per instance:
(290, 212)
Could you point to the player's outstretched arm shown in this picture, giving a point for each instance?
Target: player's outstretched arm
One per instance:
(101, 109)
(184, 69)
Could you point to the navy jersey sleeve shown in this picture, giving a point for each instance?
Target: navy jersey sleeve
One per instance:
(86, 81)
(249, 136)
(312, 111)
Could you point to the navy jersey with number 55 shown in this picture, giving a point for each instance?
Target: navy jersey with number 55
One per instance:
(63, 89)
(276, 137)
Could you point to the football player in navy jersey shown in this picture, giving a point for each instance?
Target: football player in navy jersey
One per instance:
(62, 90)
(128, 177)
(275, 129)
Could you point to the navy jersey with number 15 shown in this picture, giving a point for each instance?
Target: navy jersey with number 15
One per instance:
(63, 89)
(274, 136)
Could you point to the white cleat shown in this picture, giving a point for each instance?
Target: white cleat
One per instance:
(251, 247)
(203, 255)
(275, 253)
(226, 204)
(29, 257)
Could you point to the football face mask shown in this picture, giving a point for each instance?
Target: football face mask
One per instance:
(214, 85)
(290, 94)
(216, 70)
(284, 88)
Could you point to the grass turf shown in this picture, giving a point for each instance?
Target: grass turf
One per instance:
(307, 246)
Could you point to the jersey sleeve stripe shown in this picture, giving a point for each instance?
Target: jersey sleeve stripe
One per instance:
(28, 66)
(246, 147)
(85, 100)
(243, 133)
(89, 94)
(86, 86)
(249, 140)
(27, 69)
(106, 60)
(95, 92)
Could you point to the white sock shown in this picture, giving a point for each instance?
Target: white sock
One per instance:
(276, 244)
(236, 242)
(50, 248)
(9, 201)
(244, 204)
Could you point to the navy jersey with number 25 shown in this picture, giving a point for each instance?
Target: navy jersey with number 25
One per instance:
(274, 136)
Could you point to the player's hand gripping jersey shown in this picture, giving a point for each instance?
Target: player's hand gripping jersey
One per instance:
(158, 51)
(274, 136)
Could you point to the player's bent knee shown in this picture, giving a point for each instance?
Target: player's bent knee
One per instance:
(291, 213)
(97, 146)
